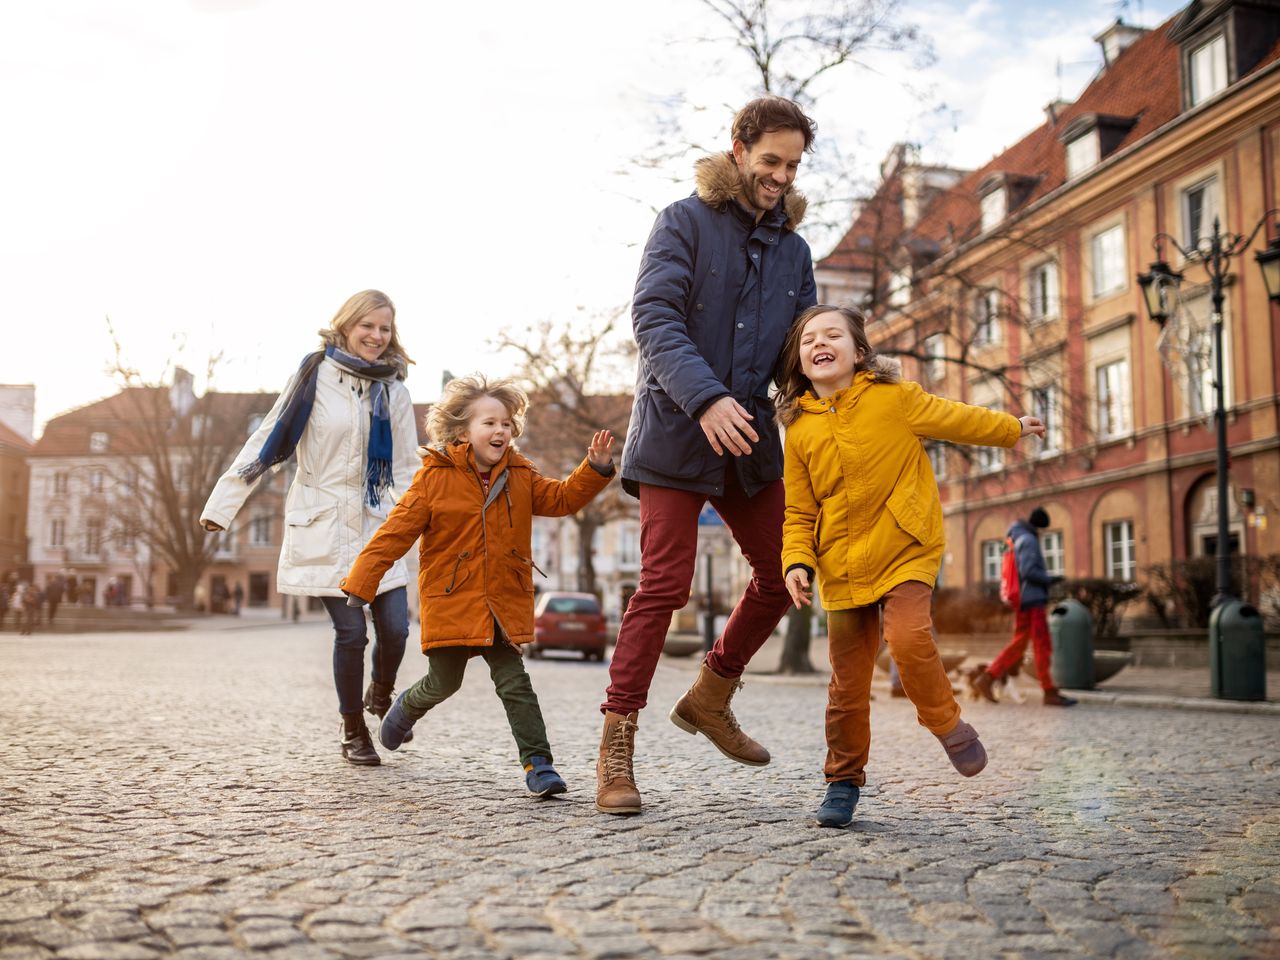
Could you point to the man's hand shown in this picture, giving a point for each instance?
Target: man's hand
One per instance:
(727, 426)
(1032, 425)
(798, 587)
(600, 451)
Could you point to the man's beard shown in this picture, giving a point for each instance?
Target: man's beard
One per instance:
(752, 193)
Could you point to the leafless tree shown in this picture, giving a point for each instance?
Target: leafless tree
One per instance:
(578, 374)
(169, 449)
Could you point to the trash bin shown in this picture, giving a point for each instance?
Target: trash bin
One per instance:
(1237, 652)
(1071, 629)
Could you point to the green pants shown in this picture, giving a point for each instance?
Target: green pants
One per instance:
(510, 682)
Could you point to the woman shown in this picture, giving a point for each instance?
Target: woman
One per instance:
(349, 418)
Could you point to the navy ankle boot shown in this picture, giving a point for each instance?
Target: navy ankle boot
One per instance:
(837, 805)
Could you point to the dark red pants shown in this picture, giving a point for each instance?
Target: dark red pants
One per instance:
(1028, 626)
(668, 555)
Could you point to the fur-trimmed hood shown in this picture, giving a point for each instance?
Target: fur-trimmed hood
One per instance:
(718, 181)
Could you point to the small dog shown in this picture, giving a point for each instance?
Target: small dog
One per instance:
(1005, 687)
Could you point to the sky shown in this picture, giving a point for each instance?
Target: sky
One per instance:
(215, 177)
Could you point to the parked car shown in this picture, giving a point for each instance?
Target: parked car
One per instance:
(568, 621)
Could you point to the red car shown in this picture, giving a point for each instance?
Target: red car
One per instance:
(568, 621)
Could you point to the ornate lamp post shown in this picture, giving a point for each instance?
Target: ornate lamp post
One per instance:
(1215, 253)
(1236, 646)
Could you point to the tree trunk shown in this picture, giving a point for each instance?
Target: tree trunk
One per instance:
(795, 647)
(587, 525)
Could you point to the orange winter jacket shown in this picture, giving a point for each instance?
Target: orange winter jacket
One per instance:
(475, 561)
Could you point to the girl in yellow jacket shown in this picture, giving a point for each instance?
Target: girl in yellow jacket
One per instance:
(471, 507)
(863, 513)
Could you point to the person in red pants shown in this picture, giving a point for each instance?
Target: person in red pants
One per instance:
(1029, 623)
(723, 277)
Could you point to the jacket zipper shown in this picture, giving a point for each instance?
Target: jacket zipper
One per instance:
(529, 560)
(453, 580)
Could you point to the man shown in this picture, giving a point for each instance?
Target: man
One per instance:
(721, 281)
(1029, 623)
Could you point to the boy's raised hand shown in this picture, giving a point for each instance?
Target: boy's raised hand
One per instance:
(600, 451)
(798, 587)
(1032, 425)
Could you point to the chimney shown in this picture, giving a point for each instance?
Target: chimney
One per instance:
(18, 408)
(1116, 38)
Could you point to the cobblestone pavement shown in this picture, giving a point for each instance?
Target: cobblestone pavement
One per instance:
(183, 794)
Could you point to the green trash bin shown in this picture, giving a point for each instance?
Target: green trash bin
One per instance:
(1071, 629)
(1237, 652)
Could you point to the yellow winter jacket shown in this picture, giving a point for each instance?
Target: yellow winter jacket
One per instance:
(862, 504)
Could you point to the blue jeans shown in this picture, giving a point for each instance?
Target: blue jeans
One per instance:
(390, 628)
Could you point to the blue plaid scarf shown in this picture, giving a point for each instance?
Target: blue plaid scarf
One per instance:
(296, 411)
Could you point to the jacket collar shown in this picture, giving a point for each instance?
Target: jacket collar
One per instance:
(718, 183)
(460, 455)
(880, 370)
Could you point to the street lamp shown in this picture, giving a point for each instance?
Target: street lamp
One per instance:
(1237, 649)
(1214, 253)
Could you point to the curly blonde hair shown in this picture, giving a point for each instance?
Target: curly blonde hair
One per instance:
(791, 382)
(359, 305)
(447, 420)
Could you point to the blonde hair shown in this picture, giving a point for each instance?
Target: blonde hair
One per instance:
(361, 305)
(791, 381)
(447, 420)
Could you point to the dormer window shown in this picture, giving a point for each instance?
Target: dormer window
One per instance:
(97, 442)
(1206, 70)
(1082, 154)
(994, 208)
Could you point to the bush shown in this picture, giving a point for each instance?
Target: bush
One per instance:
(976, 610)
(1103, 598)
(1181, 592)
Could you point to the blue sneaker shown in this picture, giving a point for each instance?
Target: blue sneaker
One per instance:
(837, 805)
(541, 778)
(395, 728)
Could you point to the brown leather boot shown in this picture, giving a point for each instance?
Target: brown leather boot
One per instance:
(981, 682)
(1052, 698)
(615, 783)
(705, 709)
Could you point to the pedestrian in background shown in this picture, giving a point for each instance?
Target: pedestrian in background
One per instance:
(27, 603)
(471, 507)
(237, 597)
(863, 513)
(1030, 624)
(723, 277)
(53, 594)
(348, 418)
(6, 598)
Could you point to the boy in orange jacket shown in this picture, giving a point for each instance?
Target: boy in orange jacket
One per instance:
(472, 504)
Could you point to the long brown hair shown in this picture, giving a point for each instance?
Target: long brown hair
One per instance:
(791, 382)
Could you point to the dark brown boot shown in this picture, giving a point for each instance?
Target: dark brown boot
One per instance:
(981, 682)
(705, 709)
(357, 745)
(1052, 698)
(615, 782)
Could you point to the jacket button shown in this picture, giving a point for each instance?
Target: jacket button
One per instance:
(740, 326)
(791, 293)
(755, 256)
(699, 306)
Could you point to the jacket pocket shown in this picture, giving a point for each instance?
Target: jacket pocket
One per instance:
(310, 533)
(451, 576)
(907, 514)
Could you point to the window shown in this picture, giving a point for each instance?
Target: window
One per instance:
(57, 533)
(1117, 539)
(97, 442)
(1207, 70)
(260, 529)
(988, 459)
(1042, 293)
(93, 536)
(1046, 404)
(98, 481)
(1113, 399)
(60, 482)
(991, 555)
(937, 459)
(629, 545)
(933, 366)
(986, 318)
(223, 544)
(993, 208)
(1082, 154)
(1200, 207)
(1109, 274)
(1051, 547)
(900, 288)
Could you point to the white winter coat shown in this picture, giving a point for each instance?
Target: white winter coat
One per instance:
(327, 521)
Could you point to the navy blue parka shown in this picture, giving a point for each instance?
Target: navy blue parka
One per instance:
(715, 297)
(1034, 579)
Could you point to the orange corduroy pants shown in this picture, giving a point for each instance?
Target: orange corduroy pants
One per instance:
(854, 637)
